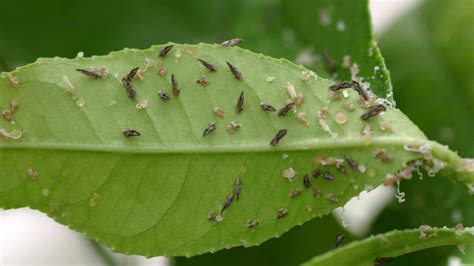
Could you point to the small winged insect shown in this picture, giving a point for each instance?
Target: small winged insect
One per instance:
(128, 132)
(340, 167)
(316, 172)
(232, 42)
(174, 85)
(267, 107)
(237, 186)
(209, 129)
(282, 212)
(240, 103)
(203, 81)
(227, 202)
(234, 71)
(129, 77)
(93, 73)
(328, 176)
(353, 164)
(341, 85)
(306, 181)
(163, 95)
(279, 135)
(374, 110)
(132, 94)
(285, 109)
(382, 260)
(362, 92)
(165, 50)
(207, 65)
(339, 238)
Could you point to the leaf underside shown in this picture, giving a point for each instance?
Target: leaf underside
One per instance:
(151, 194)
(393, 244)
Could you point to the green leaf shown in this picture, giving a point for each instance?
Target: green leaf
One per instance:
(341, 29)
(151, 194)
(393, 244)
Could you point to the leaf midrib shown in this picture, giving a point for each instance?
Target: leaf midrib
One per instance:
(315, 144)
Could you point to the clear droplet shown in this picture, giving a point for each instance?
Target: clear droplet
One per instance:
(80, 102)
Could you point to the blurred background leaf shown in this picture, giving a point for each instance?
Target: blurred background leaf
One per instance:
(431, 57)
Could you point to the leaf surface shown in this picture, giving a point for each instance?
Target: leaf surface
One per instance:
(151, 194)
(391, 245)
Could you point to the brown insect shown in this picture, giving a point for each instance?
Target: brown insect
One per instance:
(251, 223)
(210, 128)
(234, 71)
(306, 181)
(293, 193)
(128, 132)
(316, 172)
(240, 103)
(282, 212)
(267, 107)
(165, 50)
(362, 92)
(328, 176)
(340, 167)
(207, 65)
(373, 111)
(316, 192)
(352, 163)
(203, 81)
(227, 202)
(174, 85)
(339, 238)
(129, 77)
(93, 73)
(279, 135)
(382, 260)
(341, 85)
(163, 95)
(237, 186)
(285, 109)
(232, 42)
(132, 94)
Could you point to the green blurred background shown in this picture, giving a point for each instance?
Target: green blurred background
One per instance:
(429, 51)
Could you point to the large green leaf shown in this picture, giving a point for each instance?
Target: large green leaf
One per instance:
(151, 194)
(377, 249)
(430, 55)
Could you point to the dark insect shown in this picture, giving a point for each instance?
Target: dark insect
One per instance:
(232, 42)
(362, 92)
(210, 127)
(328, 176)
(329, 63)
(237, 185)
(339, 86)
(240, 103)
(209, 66)
(373, 111)
(352, 163)
(267, 107)
(235, 72)
(128, 132)
(251, 223)
(284, 110)
(93, 73)
(163, 95)
(339, 238)
(316, 172)
(129, 77)
(174, 85)
(281, 213)
(279, 135)
(340, 167)
(306, 181)
(382, 260)
(203, 81)
(132, 94)
(165, 50)
(354, 84)
(227, 202)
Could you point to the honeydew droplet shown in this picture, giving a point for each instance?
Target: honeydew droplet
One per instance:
(177, 54)
(341, 118)
(270, 78)
(80, 102)
(341, 25)
(112, 103)
(219, 218)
